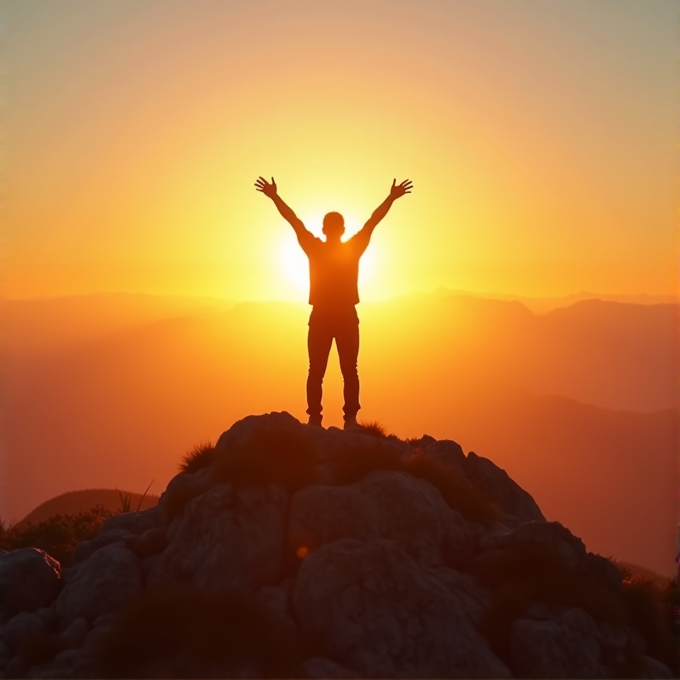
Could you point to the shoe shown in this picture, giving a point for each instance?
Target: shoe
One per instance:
(314, 421)
(351, 423)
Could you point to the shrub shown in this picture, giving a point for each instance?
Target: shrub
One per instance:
(280, 456)
(200, 456)
(57, 536)
(182, 632)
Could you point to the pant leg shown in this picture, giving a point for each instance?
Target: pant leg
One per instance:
(319, 341)
(347, 341)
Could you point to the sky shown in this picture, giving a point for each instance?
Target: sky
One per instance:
(540, 136)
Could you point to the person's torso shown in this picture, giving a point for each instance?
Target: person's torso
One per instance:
(334, 275)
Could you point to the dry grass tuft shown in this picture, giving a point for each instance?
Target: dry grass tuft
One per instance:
(374, 428)
(197, 458)
(282, 456)
(182, 632)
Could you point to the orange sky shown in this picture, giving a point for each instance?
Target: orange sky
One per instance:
(539, 135)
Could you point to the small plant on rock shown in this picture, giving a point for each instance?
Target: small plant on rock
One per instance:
(198, 457)
(374, 428)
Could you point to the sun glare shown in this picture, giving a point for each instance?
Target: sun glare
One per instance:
(293, 266)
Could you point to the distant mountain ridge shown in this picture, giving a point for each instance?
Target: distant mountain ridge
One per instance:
(121, 407)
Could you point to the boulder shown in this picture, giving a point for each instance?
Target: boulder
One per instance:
(133, 522)
(495, 482)
(472, 598)
(227, 538)
(151, 542)
(447, 452)
(541, 534)
(180, 490)
(84, 549)
(378, 613)
(245, 428)
(29, 578)
(384, 504)
(564, 647)
(21, 626)
(99, 585)
(74, 634)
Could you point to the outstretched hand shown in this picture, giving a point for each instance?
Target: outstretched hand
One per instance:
(267, 188)
(398, 190)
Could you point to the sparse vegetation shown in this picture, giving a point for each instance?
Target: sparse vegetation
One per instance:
(126, 499)
(525, 573)
(180, 632)
(374, 428)
(282, 456)
(198, 457)
(651, 608)
(57, 536)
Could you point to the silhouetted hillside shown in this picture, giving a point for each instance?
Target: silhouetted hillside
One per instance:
(73, 502)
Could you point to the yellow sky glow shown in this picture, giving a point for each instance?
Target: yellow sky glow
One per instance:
(541, 152)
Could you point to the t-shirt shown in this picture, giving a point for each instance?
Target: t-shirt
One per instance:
(334, 270)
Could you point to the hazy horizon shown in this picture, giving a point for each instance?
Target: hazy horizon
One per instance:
(540, 136)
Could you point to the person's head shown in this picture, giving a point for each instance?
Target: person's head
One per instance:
(333, 226)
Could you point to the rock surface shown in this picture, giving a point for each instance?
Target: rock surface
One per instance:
(99, 585)
(386, 617)
(382, 505)
(335, 568)
(227, 538)
(29, 578)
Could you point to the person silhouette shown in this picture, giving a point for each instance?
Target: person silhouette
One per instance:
(333, 294)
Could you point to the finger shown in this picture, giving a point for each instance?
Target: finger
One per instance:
(273, 182)
(262, 179)
(394, 182)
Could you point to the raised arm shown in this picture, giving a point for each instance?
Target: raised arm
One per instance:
(396, 191)
(269, 189)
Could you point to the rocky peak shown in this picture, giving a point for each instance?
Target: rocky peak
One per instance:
(290, 551)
